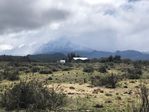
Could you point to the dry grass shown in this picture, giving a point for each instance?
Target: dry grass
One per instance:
(84, 95)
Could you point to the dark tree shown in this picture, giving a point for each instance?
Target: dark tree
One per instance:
(117, 58)
(110, 58)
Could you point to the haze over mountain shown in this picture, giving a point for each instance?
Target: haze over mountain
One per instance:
(61, 45)
(31, 26)
(65, 46)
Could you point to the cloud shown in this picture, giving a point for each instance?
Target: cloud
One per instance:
(21, 15)
(4, 47)
(98, 24)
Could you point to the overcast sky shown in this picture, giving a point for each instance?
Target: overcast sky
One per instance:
(106, 25)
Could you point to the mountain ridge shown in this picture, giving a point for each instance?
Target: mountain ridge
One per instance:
(64, 46)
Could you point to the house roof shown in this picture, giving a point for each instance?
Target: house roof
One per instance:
(80, 58)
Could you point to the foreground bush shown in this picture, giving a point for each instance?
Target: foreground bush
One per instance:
(32, 95)
(134, 73)
(108, 80)
(9, 74)
(143, 105)
(144, 94)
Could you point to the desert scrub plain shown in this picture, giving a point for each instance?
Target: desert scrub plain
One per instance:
(92, 86)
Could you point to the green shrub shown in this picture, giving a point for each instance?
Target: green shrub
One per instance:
(35, 69)
(12, 75)
(54, 68)
(108, 80)
(143, 105)
(102, 69)
(45, 71)
(50, 78)
(134, 73)
(1, 75)
(32, 95)
(144, 94)
(9, 74)
(66, 69)
(88, 69)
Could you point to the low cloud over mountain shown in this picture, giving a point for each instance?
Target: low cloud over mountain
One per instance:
(106, 25)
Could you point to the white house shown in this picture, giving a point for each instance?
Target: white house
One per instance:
(80, 58)
(63, 61)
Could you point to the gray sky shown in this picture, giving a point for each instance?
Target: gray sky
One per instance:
(98, 24)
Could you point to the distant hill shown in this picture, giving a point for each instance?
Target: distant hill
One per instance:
(133, 55)
(130, 54)
(33, 58)
(64, 46)
(53, 57)
(47, 57)
(14, 58)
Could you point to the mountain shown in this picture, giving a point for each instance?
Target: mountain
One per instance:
(130, 54)
(53, 57)
(133, 55)
(94, 54)
(63, 46)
